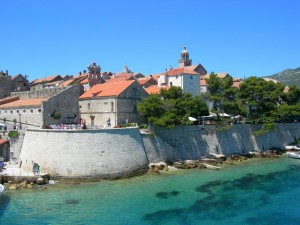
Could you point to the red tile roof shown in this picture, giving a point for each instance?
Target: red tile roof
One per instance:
(144, 80)
(84, 81)
(3, 141)
(47, 79)
(154, 89)
(107, 89)
(24, 102)
(203, 82)
(81, 75)
(67, 83)
(8, 99)
(178, 71)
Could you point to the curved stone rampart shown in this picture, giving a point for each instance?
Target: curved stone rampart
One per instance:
(117, 153)
(97, 154)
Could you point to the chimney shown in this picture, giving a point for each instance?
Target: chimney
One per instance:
(6, 72)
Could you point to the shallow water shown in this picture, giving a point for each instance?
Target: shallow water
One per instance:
(265, 191)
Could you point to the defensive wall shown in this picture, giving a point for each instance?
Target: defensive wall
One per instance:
(95, 154)
(115, 153)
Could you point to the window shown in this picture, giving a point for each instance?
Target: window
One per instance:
(11, 111)
(176, 77)
(89, 105)
(31, 110)
(17, 111)
(112, 107)
(171, 84)
(39, 110)
(24, 111)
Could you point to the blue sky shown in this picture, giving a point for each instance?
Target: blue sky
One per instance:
(242, 37)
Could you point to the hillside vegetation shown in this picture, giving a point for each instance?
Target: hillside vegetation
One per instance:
(288, 77)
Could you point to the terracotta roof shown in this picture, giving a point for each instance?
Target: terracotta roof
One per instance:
(47, 79)
(24, 102)
(203, 82)
(154, 89)
(54, 83)
(83, 75)
(178, 71)
(67, 83)
(8, 99)
(144, 80)
(3, 141)
(118, 79)
(193, 67)
(84, 81)
(107, 89)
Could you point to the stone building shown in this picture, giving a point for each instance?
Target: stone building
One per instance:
(5, 84)
(39, 84)
(19, 83)
(114, 100)
(40, 108)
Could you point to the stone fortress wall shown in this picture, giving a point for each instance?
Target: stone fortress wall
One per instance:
(114, 153)
(43, 93)
(101, 154)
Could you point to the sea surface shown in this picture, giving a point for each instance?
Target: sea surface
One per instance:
(256, 191)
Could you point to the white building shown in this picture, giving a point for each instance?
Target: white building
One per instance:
(183, 77)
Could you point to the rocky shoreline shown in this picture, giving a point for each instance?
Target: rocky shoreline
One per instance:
(213, 162)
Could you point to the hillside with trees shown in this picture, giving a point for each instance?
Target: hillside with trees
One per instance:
(288, 77)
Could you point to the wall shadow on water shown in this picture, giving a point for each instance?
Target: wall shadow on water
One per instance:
(4, 202)
(231, 198)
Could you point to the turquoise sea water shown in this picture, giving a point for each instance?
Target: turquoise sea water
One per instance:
(254, 192)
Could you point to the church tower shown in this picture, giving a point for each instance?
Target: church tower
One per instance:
(94, 75)
(185, 60)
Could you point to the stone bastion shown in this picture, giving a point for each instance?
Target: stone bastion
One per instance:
(124, 152)
(90, 154)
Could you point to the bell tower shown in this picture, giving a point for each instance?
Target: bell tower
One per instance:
(185, 58)
(94, 75)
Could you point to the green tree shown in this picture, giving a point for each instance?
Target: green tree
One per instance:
(260, 97)
(223, 95)
(172, 107)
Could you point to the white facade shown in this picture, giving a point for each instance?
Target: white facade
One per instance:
(188, 82)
